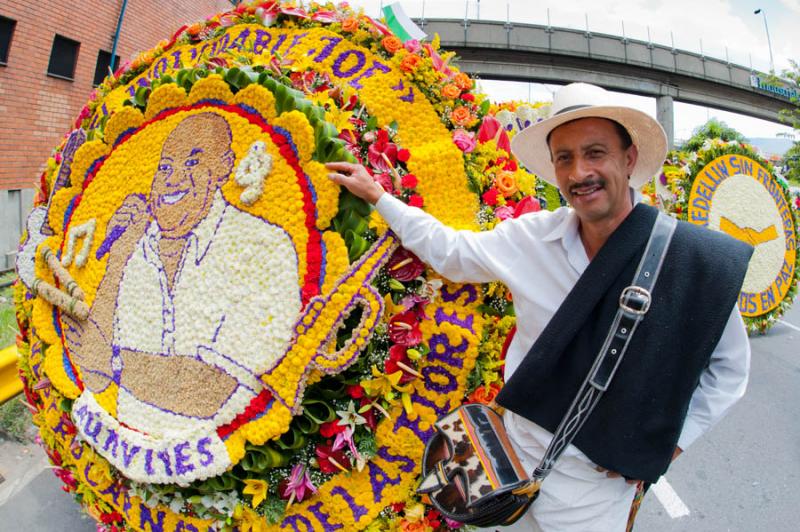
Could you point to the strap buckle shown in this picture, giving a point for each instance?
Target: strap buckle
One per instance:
(635, 296)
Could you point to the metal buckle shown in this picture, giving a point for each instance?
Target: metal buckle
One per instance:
(636, 294)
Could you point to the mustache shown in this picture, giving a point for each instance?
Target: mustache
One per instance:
(598, 181)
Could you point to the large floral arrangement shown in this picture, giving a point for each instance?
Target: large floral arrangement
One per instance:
(213, 334)
(728, 187)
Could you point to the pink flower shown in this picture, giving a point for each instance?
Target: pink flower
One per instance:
(464, 140)
(297, 485)
(415, 303)
(404, 265)
(346, 438)
(504, 212)
(453, 525)
(382, 154)
(526, 205)
(413, 46)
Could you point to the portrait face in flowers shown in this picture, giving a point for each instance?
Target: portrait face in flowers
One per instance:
(195, 160)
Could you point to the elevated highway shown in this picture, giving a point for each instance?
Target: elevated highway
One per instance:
(546, 54)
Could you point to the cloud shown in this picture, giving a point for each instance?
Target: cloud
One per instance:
(792, 5)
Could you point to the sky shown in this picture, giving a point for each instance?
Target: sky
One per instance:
(718, 28)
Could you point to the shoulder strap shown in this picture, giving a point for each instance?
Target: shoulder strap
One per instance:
(634, 302)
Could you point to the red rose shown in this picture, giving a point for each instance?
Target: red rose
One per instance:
(490, 197)
(468, 97)
(404, 265)
(409, 181)
(403, 155)
(404, 329)
(355, 391)
(511, 166)
(416, 200)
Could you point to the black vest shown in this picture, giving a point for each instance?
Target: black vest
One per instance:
(635, 427)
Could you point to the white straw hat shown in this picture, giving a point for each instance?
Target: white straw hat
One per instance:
(582, 100)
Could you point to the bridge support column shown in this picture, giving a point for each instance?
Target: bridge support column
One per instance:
(665, 117)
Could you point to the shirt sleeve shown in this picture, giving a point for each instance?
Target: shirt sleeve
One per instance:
(460, 256)
(722, 383)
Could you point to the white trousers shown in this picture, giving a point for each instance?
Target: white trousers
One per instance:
(575, 497)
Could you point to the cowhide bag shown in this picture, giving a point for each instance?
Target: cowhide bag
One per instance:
(470, 472)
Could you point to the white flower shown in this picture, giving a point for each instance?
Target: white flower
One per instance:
(252, 171)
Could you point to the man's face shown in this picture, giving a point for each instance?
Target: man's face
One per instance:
(195, 160)
(592, 168)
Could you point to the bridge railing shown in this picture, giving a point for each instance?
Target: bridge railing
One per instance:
(527, 12)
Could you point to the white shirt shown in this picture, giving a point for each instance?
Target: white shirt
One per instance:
(540, 257)
(232, 304)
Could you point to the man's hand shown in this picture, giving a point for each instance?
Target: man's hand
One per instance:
(90, 348)
(356, 179)
(126, 226)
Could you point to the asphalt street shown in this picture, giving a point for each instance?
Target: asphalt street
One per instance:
(742, 476)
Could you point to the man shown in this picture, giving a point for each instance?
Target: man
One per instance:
(689, 359)
(183, 320)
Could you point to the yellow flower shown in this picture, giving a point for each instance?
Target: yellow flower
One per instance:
(385, 385)
(257, 489)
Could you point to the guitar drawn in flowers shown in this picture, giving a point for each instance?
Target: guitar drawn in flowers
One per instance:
(748, 234)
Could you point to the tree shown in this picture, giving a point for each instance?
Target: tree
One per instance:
(791, 162)
(713, 129)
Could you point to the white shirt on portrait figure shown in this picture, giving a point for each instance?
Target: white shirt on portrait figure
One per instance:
(546, 248)
(232, 276)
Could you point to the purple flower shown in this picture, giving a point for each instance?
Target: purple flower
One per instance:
(663, 178)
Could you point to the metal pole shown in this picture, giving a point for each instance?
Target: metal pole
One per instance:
(112, 62)
(769, 42)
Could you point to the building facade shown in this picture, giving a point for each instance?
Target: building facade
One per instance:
(52, 54)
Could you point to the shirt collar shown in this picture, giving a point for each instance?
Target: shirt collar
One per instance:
(567, 227)
(199, 240)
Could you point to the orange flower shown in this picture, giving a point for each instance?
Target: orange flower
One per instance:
(485, 394)
(410, 62)
(461, 116)
(392, 44)
(506, 183)
(408, 526)
(451, 91)
(194, 29)
(350, 24)
(463, 81)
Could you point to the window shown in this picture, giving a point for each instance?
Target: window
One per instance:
(6, 31)
(103, 62)
(63, 58)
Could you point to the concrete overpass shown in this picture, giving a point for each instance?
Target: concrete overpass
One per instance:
(545, 54)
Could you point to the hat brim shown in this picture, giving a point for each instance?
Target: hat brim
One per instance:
(530, 144)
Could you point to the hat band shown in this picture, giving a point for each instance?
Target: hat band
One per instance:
(570, 108)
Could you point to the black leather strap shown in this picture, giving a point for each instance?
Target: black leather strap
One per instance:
(634, 302)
